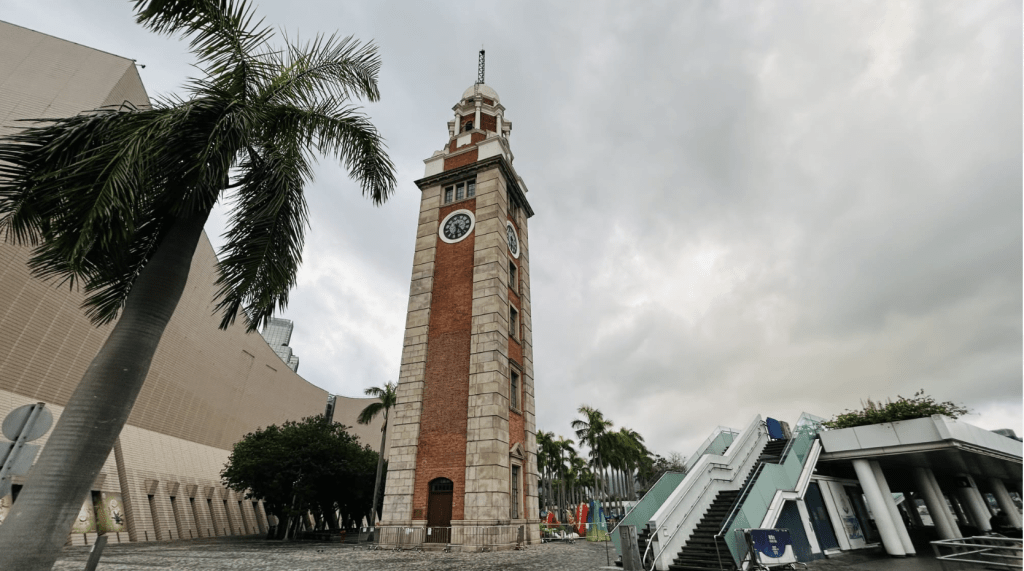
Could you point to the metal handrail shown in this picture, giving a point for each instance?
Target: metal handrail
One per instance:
(986, 544)
(708, 485)
(680, 524)
(703, 448)
(744, 491)
(680, 497)
(650, 542)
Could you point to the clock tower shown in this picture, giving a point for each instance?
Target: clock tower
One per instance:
(462, 469)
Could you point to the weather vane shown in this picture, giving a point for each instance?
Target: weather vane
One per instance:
(480, 68)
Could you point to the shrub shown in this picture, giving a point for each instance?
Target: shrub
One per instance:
(920, 406)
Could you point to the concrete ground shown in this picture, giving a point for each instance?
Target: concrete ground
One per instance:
(261, 555)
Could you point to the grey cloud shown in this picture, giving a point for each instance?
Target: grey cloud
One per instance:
(741, 208)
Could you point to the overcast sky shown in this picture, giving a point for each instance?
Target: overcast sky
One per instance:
(741, 208)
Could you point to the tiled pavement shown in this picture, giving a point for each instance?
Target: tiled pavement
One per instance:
(261, 555)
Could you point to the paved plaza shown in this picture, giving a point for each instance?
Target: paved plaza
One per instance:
(260, 555)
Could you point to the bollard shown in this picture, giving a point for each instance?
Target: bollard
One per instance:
(95, 553)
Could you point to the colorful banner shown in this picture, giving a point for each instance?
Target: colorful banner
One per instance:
(110, 516)
(85, 521)
(5, 507)
(581, 518)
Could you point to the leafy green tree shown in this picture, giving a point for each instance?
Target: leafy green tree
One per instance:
(116, 200)
(388, 395)
(918, 406)
(303, 466)
(654, 466)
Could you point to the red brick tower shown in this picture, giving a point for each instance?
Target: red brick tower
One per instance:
(463, 434)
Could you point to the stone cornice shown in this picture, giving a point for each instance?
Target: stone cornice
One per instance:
(459, 173)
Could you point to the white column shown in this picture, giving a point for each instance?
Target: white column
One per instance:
(886, 527)
(498, 120)
(1005, 502)
(894, 512)
(934, 502)
(476, 122)
(979, 513)
(944, 504)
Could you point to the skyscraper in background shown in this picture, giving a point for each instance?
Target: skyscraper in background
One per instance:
(278, 333)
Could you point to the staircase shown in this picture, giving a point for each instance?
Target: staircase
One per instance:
(699, 552)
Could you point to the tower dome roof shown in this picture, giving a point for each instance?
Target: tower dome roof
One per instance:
(482, 89)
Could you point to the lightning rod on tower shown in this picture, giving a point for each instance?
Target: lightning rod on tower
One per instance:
(480, 69)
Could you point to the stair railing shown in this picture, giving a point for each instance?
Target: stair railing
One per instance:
(744, 492)
(664, 533)
(721, 436)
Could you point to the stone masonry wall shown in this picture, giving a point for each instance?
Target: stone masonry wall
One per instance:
(404, 424)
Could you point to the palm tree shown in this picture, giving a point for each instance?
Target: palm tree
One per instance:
(388, 395)
(116, 199)
(544, 461)
(590, 430)
(635, 452)
(564, 447)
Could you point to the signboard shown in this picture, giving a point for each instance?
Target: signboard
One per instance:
(772, 546)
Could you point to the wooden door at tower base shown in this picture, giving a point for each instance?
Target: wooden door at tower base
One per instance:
(439, 511)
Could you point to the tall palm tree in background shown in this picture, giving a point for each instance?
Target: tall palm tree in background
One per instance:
(546, 454)
(634, 453)
(565, 449)
(590, 430)
(116, 200)
(388, 396)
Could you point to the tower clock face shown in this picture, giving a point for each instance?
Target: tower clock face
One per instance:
(456, 226)
(513, 239)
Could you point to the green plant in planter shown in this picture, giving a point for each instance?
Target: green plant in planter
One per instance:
(919, 406)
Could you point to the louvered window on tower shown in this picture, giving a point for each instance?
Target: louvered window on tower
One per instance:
(515, 492)
(513, 392)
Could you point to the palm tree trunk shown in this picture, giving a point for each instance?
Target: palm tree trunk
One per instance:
(33, 534)
(380, 472)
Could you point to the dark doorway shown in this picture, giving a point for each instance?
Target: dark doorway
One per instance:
(819, 518)
(439, 511)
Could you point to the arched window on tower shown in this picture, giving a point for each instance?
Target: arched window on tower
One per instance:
(467, 127)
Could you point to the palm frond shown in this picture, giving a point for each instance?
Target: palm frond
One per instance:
(85, 190)
(341, 131)
(265, 235)
(223, 33)
(370, 412)
(326, 67)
